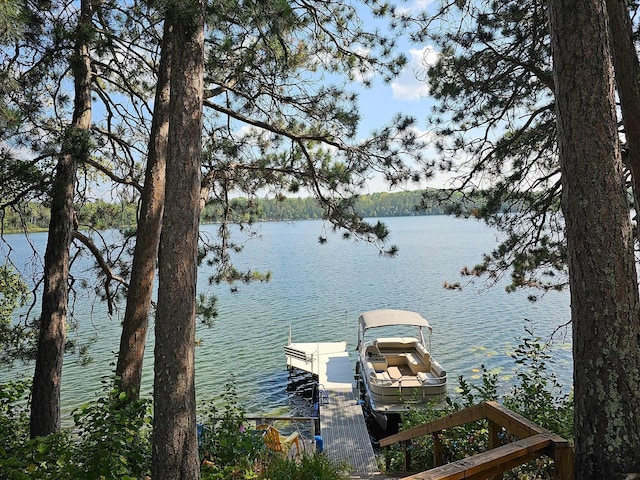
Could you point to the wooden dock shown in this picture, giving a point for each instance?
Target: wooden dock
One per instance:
(342, 425)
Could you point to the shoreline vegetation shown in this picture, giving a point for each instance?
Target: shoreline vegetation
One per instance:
(101, 215)
(112, 435)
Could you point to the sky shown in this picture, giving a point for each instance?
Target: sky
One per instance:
(407, 94)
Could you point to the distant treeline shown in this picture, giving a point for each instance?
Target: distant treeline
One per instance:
(371, 205)
(103, 215)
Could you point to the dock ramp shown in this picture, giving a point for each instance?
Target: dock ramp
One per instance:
(342, 425)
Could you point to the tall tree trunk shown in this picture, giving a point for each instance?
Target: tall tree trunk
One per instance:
(45, 396)
(175, 443)
(627, 75)
(603, 281)
(136, 317)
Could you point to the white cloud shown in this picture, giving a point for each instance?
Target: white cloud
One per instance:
(421, 5)
(411, 85)
(416, 7)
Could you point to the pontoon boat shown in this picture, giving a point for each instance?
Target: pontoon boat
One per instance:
(397, 371)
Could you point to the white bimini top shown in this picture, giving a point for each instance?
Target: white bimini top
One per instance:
(387, 317)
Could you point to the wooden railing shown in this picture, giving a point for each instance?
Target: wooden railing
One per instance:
(534, 442)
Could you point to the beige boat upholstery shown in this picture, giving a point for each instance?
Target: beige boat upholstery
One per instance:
(395, 344)
(378, 361)
(400, 351)
(381, 375)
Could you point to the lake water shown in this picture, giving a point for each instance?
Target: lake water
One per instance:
(318, 291)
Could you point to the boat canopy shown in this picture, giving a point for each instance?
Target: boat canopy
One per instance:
(387, 317)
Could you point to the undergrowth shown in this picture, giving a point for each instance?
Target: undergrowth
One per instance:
(112, 436)
(537, 396)
(112, 440)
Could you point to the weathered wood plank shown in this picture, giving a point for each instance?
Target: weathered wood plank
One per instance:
(563, 456)
(511, 421)
(456, 419)
(492, 462)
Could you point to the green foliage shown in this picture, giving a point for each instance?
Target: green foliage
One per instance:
(309, 467)
(114, 437)
(381, 204)
(225, 439)
(14, 419)
(24, 458)
(15, 339)
(230, 449)
(13, 292)
(101, 215)
(538, 397)
(112, 440)
(10, 20)
(40, 458)
(493, 87)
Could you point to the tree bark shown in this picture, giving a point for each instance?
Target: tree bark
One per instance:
(136, 318)
(175, 443)
(603, 281)
(45, 395)
(627, 75)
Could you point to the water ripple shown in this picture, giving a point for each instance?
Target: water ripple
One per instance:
(318, 291)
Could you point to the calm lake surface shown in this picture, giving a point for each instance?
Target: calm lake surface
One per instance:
(318, 291)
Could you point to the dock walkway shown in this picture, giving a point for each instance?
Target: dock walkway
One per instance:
(342, 425)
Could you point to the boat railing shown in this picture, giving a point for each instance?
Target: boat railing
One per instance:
(534, 442)
(431, 380)
(298, 354)
(434, 380)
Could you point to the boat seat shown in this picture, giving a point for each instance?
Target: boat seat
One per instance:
(394, 372)
(429, 379)
(415, 363)
(396, 359)
(409, 382)
(382, 376)
(372, 350)
(395, 344)
(377, 360)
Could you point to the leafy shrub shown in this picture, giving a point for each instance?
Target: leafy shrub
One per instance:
(308, 467)
(114, 437)
(225, 439)
(39, 458)
(538, 396)
(14, 416)
(231, 449)
(21, 457)
(17, 341)
(111, 440)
